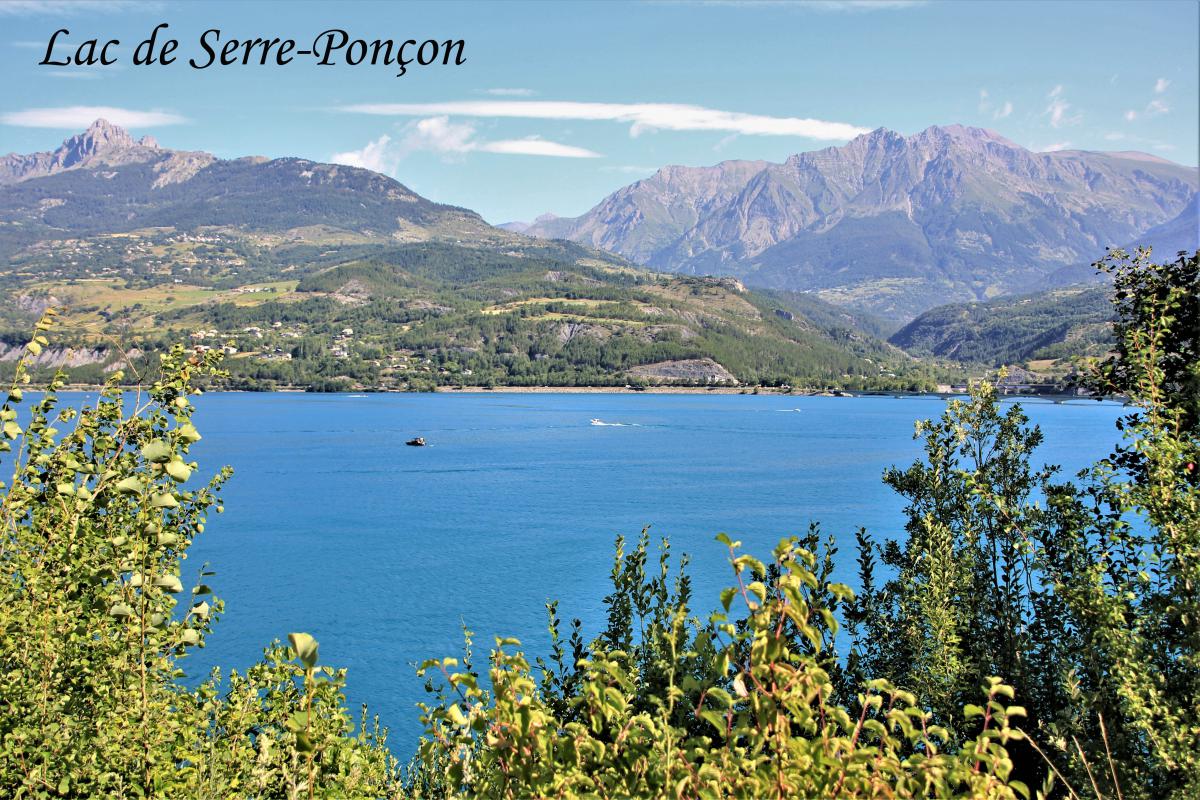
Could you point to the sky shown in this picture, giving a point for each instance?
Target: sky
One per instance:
(558, 104)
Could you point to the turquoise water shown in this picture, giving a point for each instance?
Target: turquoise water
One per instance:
(382, 551)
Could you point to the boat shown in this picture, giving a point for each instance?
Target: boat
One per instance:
(417, 442)
(598, 422)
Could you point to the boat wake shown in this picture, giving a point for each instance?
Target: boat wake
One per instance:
(603, 424)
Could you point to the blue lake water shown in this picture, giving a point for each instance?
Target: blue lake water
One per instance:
(383, 552)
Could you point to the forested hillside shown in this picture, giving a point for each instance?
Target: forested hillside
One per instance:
(1056, 324)
(330, 277)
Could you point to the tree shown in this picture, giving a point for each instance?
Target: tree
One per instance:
(1157, 327)
(964, 600)
(1124, 558)
(97, 518)
(1087, 603)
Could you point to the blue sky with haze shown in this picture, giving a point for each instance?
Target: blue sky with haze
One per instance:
(560, 103)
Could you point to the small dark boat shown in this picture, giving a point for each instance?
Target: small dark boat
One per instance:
(417, 442)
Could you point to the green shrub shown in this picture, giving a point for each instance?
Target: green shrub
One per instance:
(97, 614)
(738, 706)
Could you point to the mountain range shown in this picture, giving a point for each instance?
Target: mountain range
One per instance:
(897, 224)
(327, 276)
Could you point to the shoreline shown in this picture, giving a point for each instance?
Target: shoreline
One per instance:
(656, 390)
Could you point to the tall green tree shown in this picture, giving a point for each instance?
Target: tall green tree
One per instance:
(98, 614)
(1124, 558)
(1083, 596)
(962, 599)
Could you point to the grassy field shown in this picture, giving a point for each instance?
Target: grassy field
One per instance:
(85, 300)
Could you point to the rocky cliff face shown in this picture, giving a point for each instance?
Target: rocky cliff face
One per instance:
(895, 224)
(102, 142)
(647, 217)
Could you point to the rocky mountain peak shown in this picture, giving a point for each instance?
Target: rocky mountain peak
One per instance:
(961, 138)
(102, 141)
(894, 223)
(101, 136)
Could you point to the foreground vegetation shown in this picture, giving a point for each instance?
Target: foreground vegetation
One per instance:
(1027, 638)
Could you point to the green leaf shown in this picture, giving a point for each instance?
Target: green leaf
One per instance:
(178, 470)
(714, 719)
(727, 596)
(130, 485)
(169, 583)
(188, 433)
(305, 647)
(157, 451)
(189, 637)
(163, 501)
(12, 430)
(120, 610)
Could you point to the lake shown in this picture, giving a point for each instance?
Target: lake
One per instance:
(383, 551)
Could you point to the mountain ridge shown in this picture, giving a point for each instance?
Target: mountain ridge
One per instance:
(893, 224)
(332, 277)
(101, 140)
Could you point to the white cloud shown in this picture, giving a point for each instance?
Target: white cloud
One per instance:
(450, 140)
(438, 135)
(1156, 107)
(856, 6)
(1059, 110)
(640, 116)
(376, 156)
(63, 8)
(1057, 146)
(1118, 136)
(87, 75)
(511, 92)
(75, 117)
(997, 112)
(864, 5)
(536, 147)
